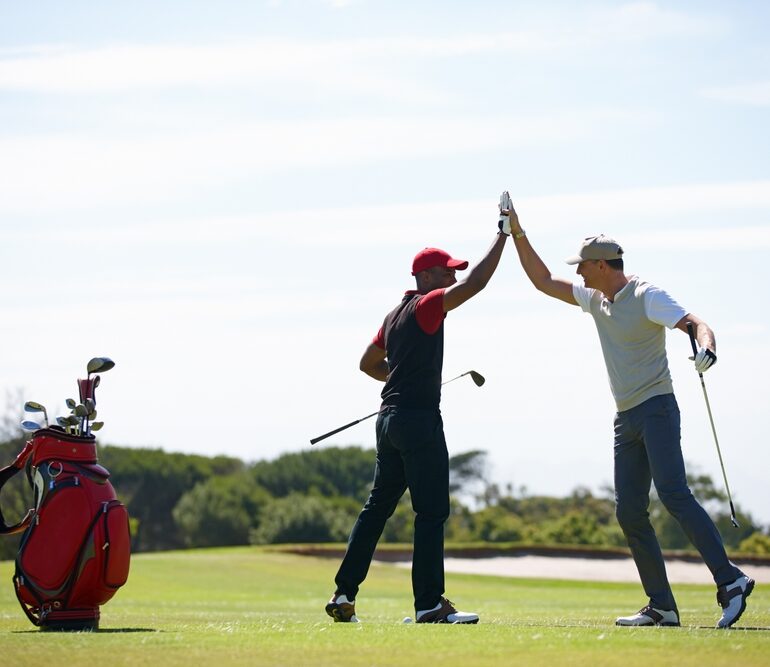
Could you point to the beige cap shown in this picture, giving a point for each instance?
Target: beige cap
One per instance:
(597, 247)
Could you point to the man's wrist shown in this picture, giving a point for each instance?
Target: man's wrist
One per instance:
(518, 235)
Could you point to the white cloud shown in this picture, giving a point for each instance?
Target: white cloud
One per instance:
(47, 172)
(752, 94)
(366, 62)
(387, 224)
(647, 20)
(653, 203)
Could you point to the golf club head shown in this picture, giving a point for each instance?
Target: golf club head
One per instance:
(90, 404)
(96, 426)
(62, 421)
(70, 403)
(29, 425)
(99, 365)
(80, 410)
(33, 406)
(477, 378)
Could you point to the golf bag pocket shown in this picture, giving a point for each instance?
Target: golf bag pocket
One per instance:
(75, 552)
(58, 529)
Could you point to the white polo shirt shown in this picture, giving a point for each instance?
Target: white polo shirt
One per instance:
(632, 335)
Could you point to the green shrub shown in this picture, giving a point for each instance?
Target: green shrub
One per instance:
(300, 518)
(757, 543)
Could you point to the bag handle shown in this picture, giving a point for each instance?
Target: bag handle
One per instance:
(6, 474)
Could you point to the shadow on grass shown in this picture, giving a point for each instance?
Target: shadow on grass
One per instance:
(741, 629)
(95, 632)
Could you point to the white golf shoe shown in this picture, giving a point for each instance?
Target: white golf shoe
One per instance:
(445, 612)
(732, 599)
(650, 616)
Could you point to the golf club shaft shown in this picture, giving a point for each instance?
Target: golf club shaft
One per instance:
(713, 428)
(358, 421)
(342, 428)
(457, 378)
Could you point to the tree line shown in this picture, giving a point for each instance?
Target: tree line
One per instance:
(184, 500)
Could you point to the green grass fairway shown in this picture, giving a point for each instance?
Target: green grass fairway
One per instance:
(247, 606)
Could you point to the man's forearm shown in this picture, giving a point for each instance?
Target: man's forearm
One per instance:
(536, 270)
(480, 274)
(705, 336)
(378, 372)
(374, 362)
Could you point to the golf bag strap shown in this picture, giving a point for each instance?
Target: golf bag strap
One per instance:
(6, 474)
(37, 614)
(35, 620)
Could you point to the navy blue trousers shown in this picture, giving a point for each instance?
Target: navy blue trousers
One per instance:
(411, 453)
(647, 449)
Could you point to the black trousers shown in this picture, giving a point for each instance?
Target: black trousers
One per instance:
(411, 453)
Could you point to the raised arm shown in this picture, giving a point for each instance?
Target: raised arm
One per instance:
(535, 268)
(477, 277)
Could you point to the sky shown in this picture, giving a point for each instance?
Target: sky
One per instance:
(226, 197)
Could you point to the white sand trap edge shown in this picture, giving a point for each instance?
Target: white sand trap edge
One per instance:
(585, 569)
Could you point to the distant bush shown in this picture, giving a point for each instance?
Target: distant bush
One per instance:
(220, 511)
(757, 543)
(301, 518)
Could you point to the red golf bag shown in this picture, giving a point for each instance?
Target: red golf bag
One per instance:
(75, 550)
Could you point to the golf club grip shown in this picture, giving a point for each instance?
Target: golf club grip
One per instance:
(691, 331)
(341, 428)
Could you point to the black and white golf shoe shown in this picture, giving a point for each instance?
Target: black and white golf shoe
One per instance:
(341, 609)
(732, 599)
(445, 612)
(650, 616)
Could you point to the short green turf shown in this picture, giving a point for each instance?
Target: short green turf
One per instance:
(249, 606)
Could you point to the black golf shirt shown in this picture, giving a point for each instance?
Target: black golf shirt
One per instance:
(412, 336)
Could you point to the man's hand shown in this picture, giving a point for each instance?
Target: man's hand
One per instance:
(704, 360)
(506, 205)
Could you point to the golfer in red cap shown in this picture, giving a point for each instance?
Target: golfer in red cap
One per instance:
(407, 355)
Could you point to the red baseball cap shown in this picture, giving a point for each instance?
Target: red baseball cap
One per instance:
(430, 257)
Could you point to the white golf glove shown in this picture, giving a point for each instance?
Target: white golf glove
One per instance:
(504, 224)
(704, 360)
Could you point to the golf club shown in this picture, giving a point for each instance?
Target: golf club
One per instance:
(34, 406)
(90, 404)
(477, 378)
(99, 365)
(64, 423)
(74, 423)
(95, 426)
(81, 411)
(713, 429)
(29, 425)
